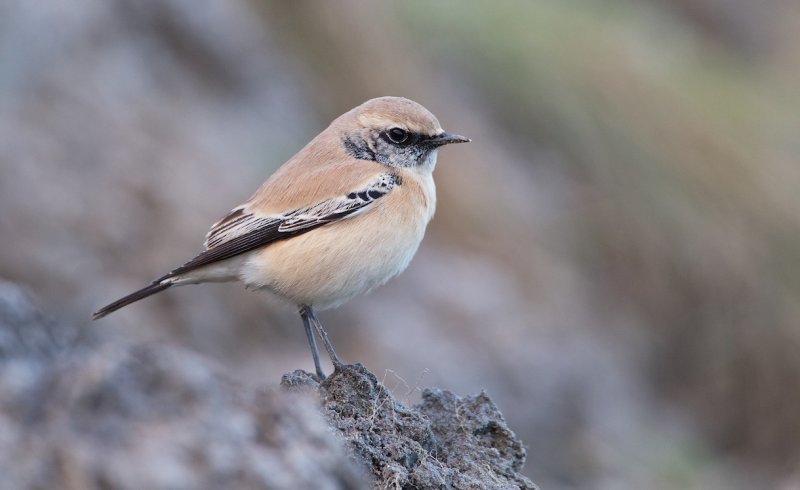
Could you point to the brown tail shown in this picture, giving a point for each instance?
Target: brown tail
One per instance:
(135, 296)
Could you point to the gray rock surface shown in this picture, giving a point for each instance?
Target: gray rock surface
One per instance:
(444, 442)
(78, 411)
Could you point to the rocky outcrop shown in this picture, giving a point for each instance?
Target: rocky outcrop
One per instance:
(82, 412)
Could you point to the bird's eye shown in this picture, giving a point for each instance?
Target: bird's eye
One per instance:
(398, 135)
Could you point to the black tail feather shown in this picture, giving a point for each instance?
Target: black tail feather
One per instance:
(135, 296)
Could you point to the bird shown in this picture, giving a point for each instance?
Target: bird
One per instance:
(339, 218)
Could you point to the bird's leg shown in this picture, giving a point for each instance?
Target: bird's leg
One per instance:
(337, 363)
(305, 312)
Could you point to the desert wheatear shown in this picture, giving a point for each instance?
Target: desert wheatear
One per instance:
(342, 216)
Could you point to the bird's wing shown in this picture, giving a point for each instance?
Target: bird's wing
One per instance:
(242, 230)
(349, 205)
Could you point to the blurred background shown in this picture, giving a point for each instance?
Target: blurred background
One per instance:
(615, 257)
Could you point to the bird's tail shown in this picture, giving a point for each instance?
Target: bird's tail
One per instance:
(135, 296)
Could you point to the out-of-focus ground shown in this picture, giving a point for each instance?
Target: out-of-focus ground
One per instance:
(615, 257)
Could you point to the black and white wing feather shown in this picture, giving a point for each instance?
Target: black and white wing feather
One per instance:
(240, 232)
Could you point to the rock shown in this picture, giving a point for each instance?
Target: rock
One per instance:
(79, 411)
(82, 413)
(444, 442)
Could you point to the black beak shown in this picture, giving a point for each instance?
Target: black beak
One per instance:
(445, 139)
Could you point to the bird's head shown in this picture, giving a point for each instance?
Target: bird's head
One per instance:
(396, 132)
